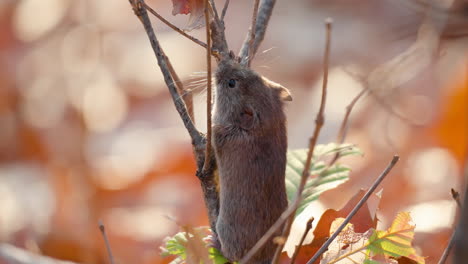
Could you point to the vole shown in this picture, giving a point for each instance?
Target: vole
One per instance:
(250, 144)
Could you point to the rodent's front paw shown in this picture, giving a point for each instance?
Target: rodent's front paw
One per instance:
(213, 241)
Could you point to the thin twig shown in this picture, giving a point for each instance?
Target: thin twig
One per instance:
(106, 241)
(449, 247)
(279, 248)
(208, 89)
(319, 121)
(290, 211)
(142, 14)
(251, 54)
(263, 17)
(456, 197)
(187, 96)
(175, 28)
(219, 44)
(298, 247)
(212, 6)
(344, 124)
(206, 177)
(445, 254)
(223, 14)
(355, 209)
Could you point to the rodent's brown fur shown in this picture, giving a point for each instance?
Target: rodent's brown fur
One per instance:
(250, 143)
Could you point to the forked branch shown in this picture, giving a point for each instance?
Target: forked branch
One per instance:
(163, 61)
(262, 20)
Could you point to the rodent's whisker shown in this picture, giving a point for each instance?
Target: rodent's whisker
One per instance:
(200, 73)
(197, 82)
(268, 50)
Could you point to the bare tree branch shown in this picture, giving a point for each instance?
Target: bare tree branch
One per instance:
(263, 17)
(212, 6)
(251, 54)
(298, 247)
(208, 96)
(106, 241)
(456, 197)
(445, 254)
(461, 237)
(218, 36)
(223, 14)
(344, 124)
(187, 96)
(142, 14)
(355, 210)
(207, 178)
(290, 211)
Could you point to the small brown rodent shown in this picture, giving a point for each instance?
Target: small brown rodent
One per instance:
(250, 143)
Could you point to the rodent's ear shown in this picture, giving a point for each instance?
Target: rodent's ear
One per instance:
(284, 93)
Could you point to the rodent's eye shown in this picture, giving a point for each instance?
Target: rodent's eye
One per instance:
(232, 83)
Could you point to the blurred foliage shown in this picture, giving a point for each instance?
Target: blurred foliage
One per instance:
(88, 131)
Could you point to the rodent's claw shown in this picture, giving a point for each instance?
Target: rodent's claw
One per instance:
(213, 241)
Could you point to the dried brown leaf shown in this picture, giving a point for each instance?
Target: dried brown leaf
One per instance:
(193, 7)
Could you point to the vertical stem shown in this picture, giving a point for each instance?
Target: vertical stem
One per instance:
(223, 14)
(187, 96)
(106, 241)
(251, 52)
(208, 79)
(313, 140)
(298, 247)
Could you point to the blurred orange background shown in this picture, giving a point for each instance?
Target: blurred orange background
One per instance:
(88, 130)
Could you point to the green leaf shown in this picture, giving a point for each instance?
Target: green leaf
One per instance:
(326, 178)
(217, 257)
(395, 241)
(175, 246)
